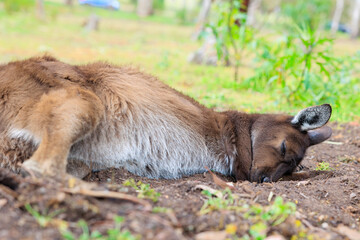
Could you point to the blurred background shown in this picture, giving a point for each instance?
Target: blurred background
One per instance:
(248, 55)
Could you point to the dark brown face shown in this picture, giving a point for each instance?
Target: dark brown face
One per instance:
(279, 142)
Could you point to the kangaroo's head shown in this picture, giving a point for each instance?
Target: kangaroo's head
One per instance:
(279, 142)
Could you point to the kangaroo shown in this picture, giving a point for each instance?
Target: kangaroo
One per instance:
(57, 118)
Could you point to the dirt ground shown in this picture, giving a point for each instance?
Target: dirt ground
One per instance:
(327, 203)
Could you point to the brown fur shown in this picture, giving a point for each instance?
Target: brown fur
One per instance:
(50, 110)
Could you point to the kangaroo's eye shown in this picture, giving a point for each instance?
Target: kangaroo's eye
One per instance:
(283, 148)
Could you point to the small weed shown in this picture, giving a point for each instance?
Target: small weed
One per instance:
(349, 159)
(261, 217)
(258, 230)
(112, 234)
(323, 166)
(226, 202)
(42, 220)
(274, 214)
(161, 210)
(231, 33)
(143, 190)
(264, 216)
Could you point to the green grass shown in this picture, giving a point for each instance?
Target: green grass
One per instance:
(224, 201)
(323, 166)
(42, 219)
(116, 233)
(156, 45)
(261, 217)
(143, 190)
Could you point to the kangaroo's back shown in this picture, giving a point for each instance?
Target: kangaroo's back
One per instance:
(144, 123)
(148, 127)
(22, 83)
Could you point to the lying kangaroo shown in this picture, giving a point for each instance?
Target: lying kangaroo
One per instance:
(81, 118)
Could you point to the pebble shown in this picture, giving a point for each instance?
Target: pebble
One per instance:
(352, 195)
(325, 225)
(232, 218)
(42, 190)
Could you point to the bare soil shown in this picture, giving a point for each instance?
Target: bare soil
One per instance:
(327, 202)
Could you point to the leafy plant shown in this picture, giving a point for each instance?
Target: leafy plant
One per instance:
(349, 159)
(143, 190)
(312, 13)
(112, 234)
(226, 202)
(263, 216)
(161, 210)
(260, 216)
(301, 69)
(231, 32)
(258, 230)
(42, 219)
(275, 214)
(323, 166)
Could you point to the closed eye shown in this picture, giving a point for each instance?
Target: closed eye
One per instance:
(283, 148)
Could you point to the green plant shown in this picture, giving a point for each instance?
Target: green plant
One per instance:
(231, 32)
(274, 214)
(226, 201)
(143, 190)
(308, 77)
(301, 68)
(261, 217)
(112, 234)
(349, 159)
(258, 231)
(42, 219)
(161, 210)
(323, 166)
(312, 13)
(12, 6)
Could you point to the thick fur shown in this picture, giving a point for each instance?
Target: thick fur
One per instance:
(97, 116)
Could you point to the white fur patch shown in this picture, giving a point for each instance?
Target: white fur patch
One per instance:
(23, 134)
(151, 143)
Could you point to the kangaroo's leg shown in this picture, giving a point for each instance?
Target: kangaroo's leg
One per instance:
(77, 168)
(58, 120)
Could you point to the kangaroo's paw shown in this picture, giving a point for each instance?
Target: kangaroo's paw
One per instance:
(31, 168)
(35, 169)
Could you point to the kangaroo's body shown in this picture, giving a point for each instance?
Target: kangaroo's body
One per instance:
(97, 116)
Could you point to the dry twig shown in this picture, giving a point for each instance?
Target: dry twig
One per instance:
(221, 183)
(109, 194)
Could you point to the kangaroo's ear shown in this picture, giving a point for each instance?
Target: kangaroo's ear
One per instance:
(312, 117)
(319, 135)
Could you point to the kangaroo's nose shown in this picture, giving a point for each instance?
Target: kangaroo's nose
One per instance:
(265, 179)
